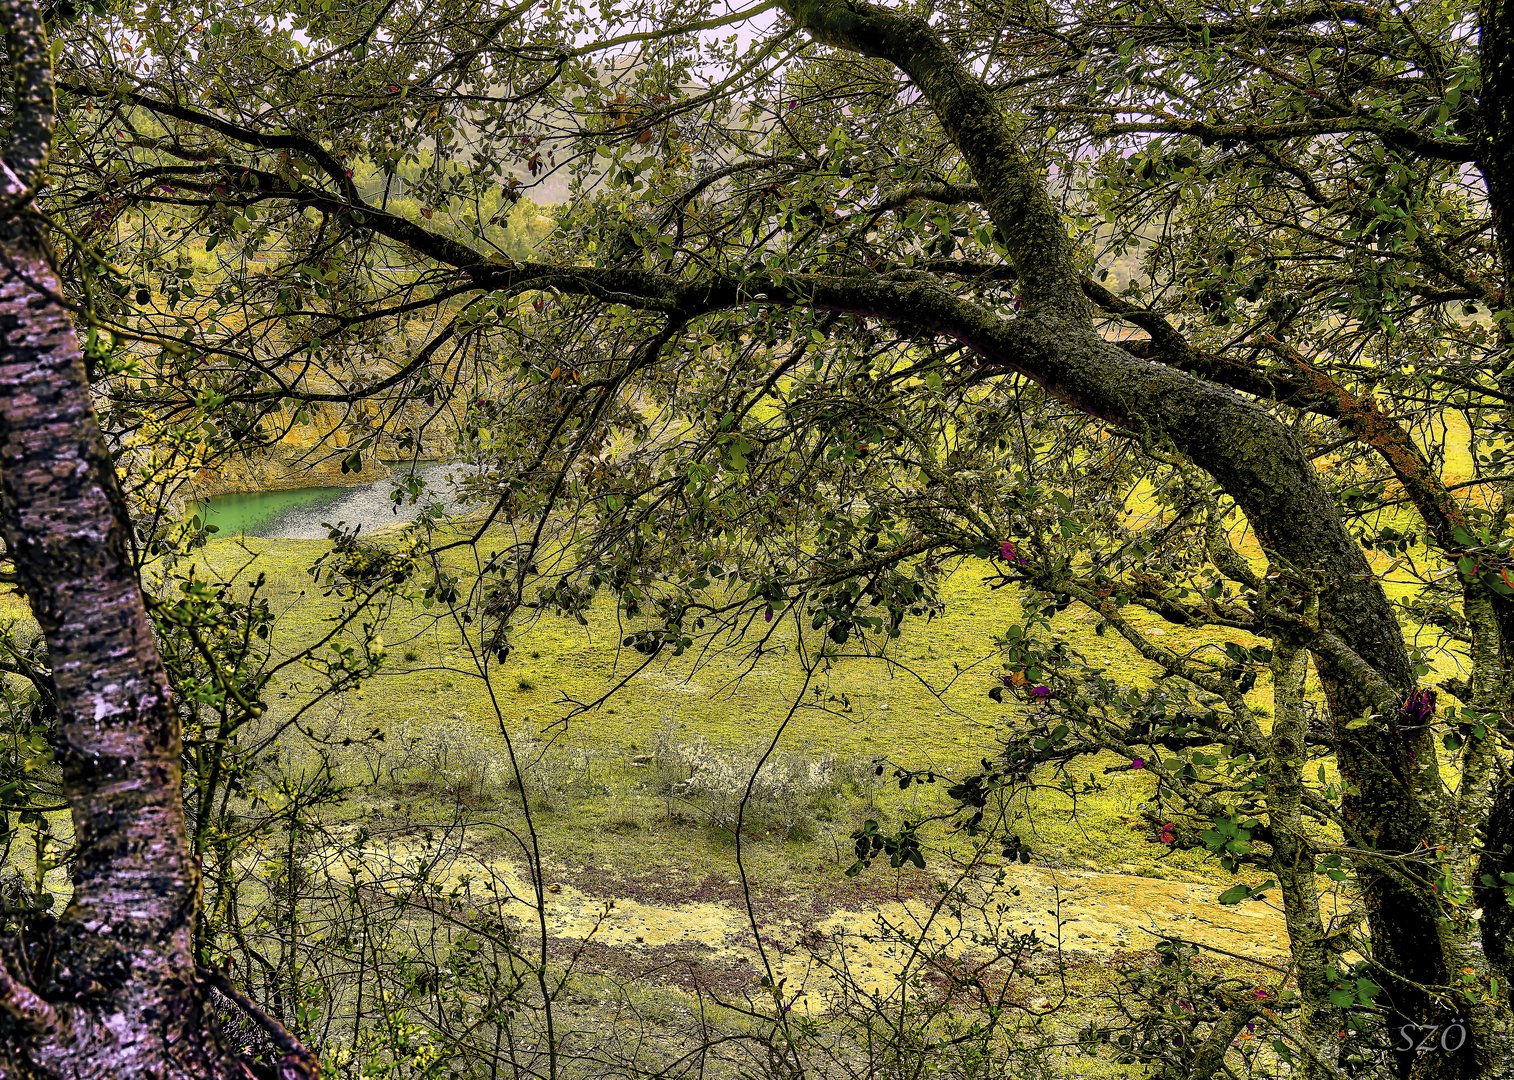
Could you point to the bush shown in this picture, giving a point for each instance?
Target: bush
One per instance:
(451, 759)
(556, 774)
(788, 795)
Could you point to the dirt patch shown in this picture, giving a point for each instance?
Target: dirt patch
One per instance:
(697, 933)
(1087, 911)
(692, 968)
(769, 901)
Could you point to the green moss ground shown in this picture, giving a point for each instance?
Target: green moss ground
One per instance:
(925, 707)
(600, 814)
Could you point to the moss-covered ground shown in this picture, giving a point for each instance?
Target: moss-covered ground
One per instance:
(607, 785)
(601, 804)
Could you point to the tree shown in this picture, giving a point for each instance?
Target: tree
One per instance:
(797, 303)
(112, 990)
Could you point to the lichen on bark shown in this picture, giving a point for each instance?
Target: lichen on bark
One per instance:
(121, 995)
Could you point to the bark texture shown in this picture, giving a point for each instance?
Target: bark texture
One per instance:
(120, 996)
(117, 993)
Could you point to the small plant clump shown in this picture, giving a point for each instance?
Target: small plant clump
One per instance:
(783, 793)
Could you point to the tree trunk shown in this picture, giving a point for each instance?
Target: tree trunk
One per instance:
(1257, 460)
(120, 996)
(117, 994)
(1496, 163)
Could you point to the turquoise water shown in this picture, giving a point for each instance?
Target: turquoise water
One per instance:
(308, 513)
(255, 514)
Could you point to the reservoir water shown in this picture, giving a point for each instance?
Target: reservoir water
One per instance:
(304, 513)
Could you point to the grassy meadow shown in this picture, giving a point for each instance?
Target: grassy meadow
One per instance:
(632, 801)
(610, 784)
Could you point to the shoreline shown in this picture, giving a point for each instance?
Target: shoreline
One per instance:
(272, 475)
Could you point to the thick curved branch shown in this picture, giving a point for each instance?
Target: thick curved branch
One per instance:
(298, 1060)
(307, 147)
(1014, 192)
(1309, 387)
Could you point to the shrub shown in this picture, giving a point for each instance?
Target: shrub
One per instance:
(556, 774)
(788, 794)
(449, 758)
